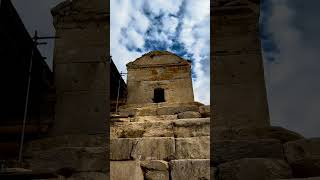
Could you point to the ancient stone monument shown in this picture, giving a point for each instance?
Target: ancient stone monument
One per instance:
(161, 133)
(159, 77)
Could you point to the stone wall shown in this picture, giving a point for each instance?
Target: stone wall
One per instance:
(161, 71)
(80, 66)
(238, 85)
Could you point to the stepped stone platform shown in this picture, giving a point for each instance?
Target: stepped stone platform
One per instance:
(160, 142)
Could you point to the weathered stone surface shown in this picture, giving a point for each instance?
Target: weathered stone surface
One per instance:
(304, 157)
(190, 169)
(205, 111)
(154, 148)
(192, 127)
(33, 147)
(155, 165)
(193, 148)
(176, 109)
(75, 158)
(188, 115)
(142, 129)
(88, 176)
(142, 148)
(169, 128)
(254, 169)
(124, 170)
(155, 169)
(121, 149)
(213, 173)
(282, 134)
(157, 175)
(159, 69)
(229, 150)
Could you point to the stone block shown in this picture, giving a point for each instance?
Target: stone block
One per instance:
(155, 148)
(254, 169)
(170, 110)
(35, 146)
(192, 127)
(193, 148)
(189, 114)
(80, 76)
(230, 150)
(124, 170)
(142, 129)
(155, 170)
(205, 111)
(272, 132)
(190, 169)
(80, 113)
(88, 176)
(75, 158)
(81, 44)
(304, 157)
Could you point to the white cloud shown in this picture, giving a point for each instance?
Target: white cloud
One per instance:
(195, 33)
(196, 37)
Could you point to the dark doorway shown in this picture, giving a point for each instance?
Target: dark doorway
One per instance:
(158, 95)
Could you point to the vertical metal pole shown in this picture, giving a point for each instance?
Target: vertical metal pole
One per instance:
(34, 42)
(118, 93)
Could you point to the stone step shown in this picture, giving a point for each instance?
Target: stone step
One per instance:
(254, 169)
(170, 128)
(191, 169)
(80, 159)
(159, 148)
(230, 150)
(97, 140)
(156, 109)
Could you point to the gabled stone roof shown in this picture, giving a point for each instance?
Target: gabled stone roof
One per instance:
(158, 58)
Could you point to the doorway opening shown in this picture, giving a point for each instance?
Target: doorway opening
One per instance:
(158, 95)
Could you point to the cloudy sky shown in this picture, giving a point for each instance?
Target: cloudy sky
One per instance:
(290, 44)
(178, 26)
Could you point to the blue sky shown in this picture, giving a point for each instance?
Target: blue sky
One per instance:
(178, 26)
(290, 41)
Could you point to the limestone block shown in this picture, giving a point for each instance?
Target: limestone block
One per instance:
(192, 127)
(188, 115)
(142, 129)
(155, 170)
(157, 175)
(121, 149)
(159, 165)
(170, 128)
(193, 148)
(246, 101)
(190, 169)
(81, 112)
(254, 169)
(229, 150)
(205, 111)
(124, 170)
(80, 76)
(154, 148)
(142, 148)
(170, 110)
(282, 134)
(81, 44)
(33, 147)
(304, 157)
(88, 176)
(75, 158)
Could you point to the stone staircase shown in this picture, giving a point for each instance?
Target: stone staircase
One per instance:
(160, 143)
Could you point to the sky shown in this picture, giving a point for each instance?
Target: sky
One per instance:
(290, 42)
(178, 26)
